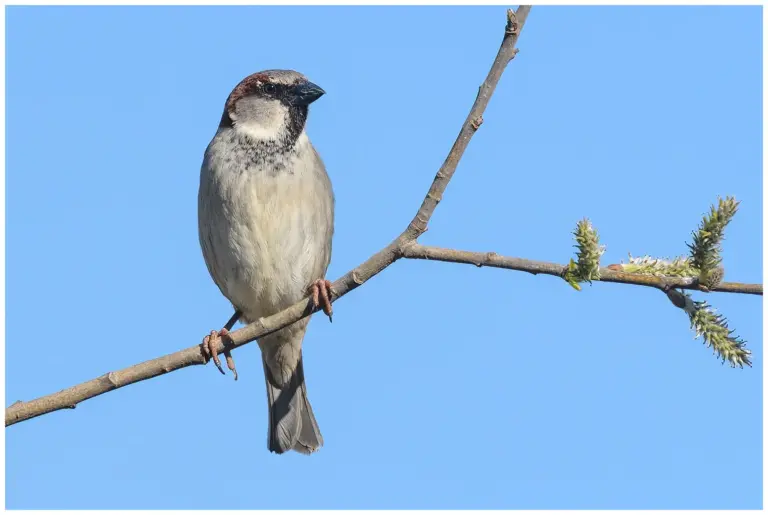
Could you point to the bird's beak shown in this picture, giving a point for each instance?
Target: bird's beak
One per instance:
(306, 93)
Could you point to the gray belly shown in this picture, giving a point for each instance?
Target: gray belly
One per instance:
(263, 241)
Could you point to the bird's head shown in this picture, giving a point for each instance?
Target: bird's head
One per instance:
(271, 105)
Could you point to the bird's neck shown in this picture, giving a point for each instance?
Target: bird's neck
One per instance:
(260, 151)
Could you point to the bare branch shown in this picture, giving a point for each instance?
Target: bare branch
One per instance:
(515, 22)
(70, 397)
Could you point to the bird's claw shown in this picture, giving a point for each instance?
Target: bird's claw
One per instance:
(208, 346)
(321, 296)
(210, 343)
(230, 363)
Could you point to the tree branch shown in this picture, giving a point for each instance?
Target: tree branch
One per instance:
(404, 246)
(418, 251)
(70, 397)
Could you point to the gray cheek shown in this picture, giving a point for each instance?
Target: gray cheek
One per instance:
(264, 111)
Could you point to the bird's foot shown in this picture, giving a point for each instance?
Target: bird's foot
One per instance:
(321, 296)
(210, 343)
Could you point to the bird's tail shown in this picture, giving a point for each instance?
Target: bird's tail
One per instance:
(292, 424)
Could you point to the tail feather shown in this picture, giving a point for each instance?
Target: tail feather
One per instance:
(292, 424)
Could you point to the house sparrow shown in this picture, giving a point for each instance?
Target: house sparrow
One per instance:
(265, 220)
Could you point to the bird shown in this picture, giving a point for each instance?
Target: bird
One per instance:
(265, 224)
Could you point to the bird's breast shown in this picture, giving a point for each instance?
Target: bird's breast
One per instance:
(264, 235)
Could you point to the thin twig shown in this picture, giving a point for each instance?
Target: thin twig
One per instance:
(195, 356)
(491, 259)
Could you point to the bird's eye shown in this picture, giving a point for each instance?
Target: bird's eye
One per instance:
(269, 88)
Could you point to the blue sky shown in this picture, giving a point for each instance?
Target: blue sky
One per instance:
(437, 385)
